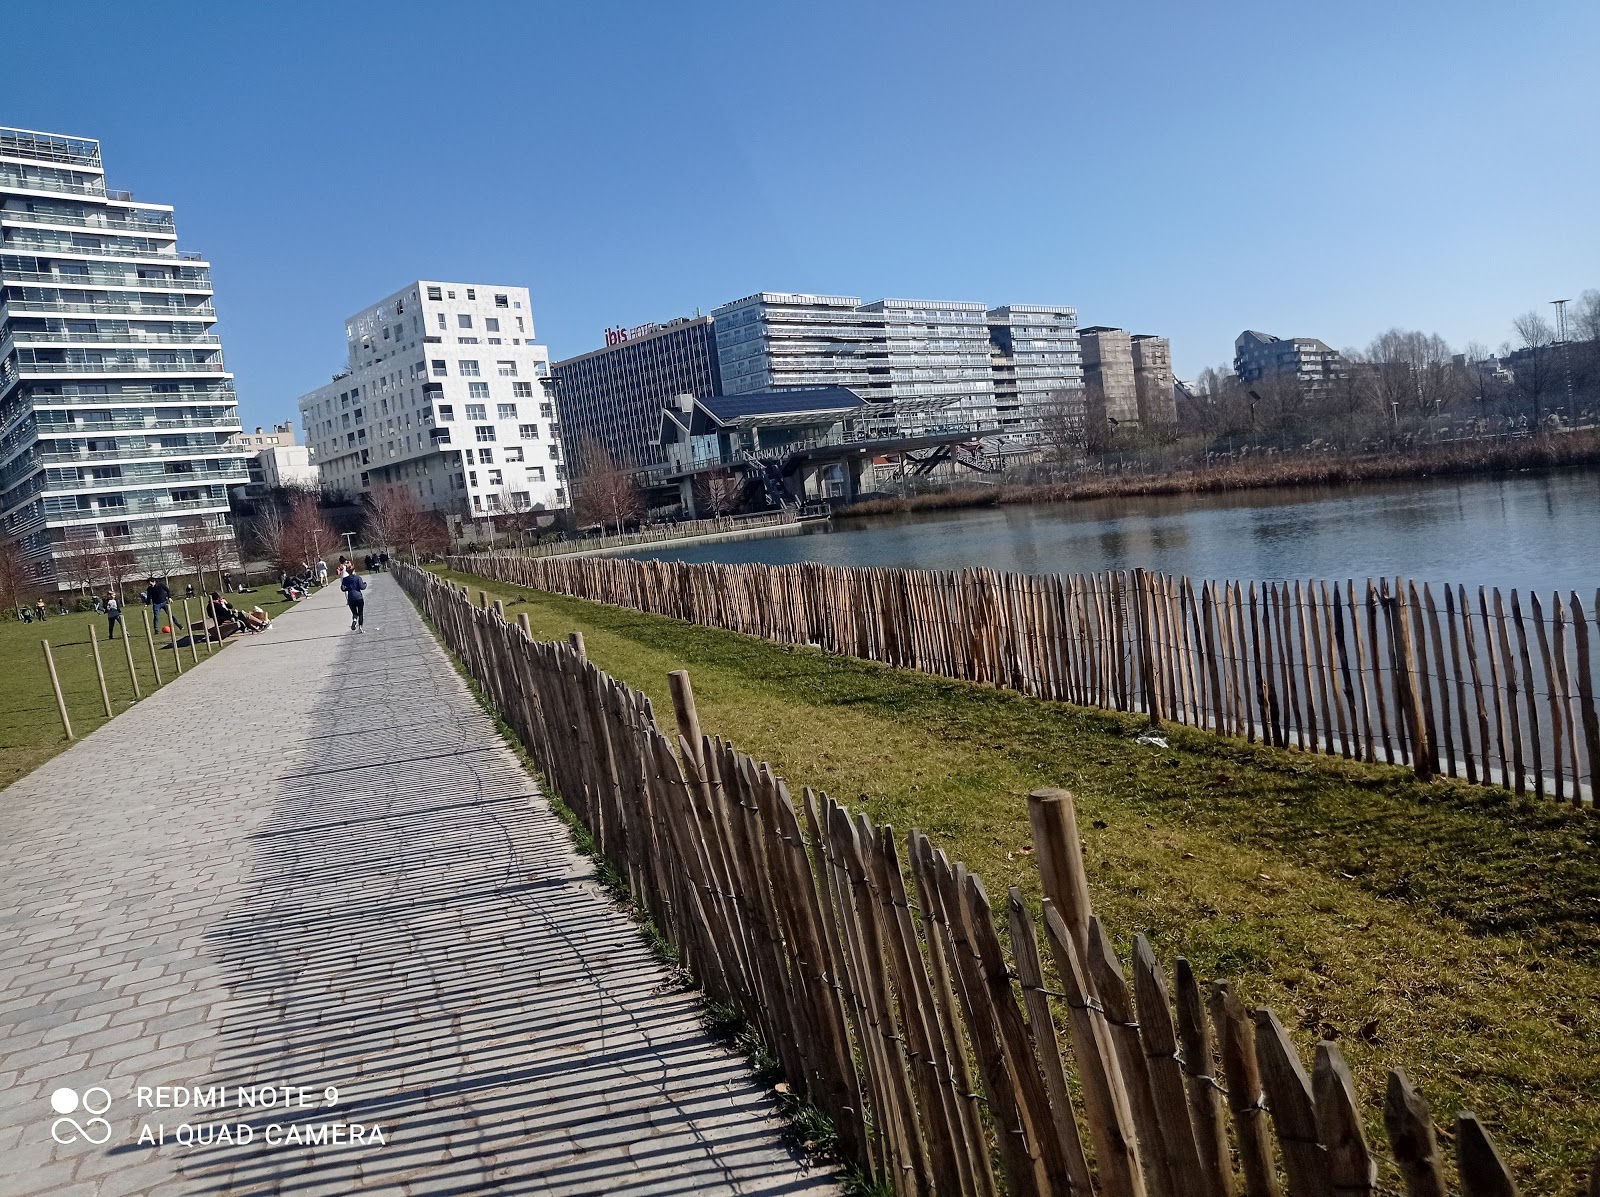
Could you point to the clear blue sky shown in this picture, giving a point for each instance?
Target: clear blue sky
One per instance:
(1190, 169)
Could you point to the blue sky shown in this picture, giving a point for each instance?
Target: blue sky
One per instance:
(1190, 169)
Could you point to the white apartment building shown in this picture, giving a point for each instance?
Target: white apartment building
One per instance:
(444, 393)
(115, 407)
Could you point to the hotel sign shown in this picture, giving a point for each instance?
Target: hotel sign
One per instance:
(616, 336)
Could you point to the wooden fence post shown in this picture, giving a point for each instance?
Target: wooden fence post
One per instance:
(127, 648)
(55, 684)
(1059, 852)
(150, 639)
(99, 670)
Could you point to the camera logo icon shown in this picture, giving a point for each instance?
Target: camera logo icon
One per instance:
(94, 1101)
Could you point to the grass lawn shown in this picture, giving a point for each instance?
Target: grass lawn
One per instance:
(30, 728)
(1451, 930)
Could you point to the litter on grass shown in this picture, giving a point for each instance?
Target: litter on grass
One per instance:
(1152, 739)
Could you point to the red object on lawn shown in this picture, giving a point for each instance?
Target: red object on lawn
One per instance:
(165, 630)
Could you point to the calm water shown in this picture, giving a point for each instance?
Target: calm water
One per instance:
(1531, 531)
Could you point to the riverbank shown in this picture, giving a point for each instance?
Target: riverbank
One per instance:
(1547, 452)
(1433, 925)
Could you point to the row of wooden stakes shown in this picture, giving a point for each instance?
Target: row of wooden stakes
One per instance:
(1381, 673)
(889, 1000)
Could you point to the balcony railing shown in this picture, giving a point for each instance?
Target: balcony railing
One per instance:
(97, 187)
(51, 147)
(102, 278)
(88, 428)
(120, 368)
(24, 306)
(133, 453)
(129, 479)
(222, 398)
(57, 509)
(65, 249)
(160, 224)
(28, 336)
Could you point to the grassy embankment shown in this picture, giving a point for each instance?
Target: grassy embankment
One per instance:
(1451, 930)
(1565, 450)
(30, 728)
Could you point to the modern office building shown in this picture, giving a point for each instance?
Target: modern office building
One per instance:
(921, 366)
(1152, 380)
(115, 406)
(615, 395)
(1310, 362)
(443, 392)
(1036, 360)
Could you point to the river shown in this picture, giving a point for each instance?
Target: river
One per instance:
(1538, 531)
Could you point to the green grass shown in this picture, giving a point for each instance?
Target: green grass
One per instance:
(1449, 929)
(30, 727)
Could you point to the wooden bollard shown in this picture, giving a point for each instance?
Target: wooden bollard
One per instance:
(1054, 819)
(188, 626)
(127, 647)
(99, 670)
(523, 622)
(688, 717)
(55, 684)
(500, 610)
(483, 599)
(576, 639)
(150, 639)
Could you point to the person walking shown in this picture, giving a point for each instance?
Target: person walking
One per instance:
(353, 584)
(160, 597)
(39, 611)
(113, 617)
(322, 573)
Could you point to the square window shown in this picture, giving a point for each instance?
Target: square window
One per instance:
(496, 478)
(471, 293)
(536, 473)
(463, 320)
(506, 411)
(528, 432)
(485, 456)
(513, 453)
(468, 367)
(500, 301)
(490, 324)
(438, 369)
(447, 411)
(485, 432)
(506, 369)
(475, 411)
(478, 390)
(522, 390)
(433, 293)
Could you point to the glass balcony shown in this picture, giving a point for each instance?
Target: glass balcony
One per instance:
(200, 280)
(15, 180)
(26, 336)
(66, 249)
(137, 478)
(23, 306)
(227, 422)
(68, 507)
(158, 223)
(29, 368)
(50, 147)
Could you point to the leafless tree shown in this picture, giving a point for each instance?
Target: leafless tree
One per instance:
(604, 493)
(16, 578)
(1586, 317)
(396, 519)
(1534, 365)
(206, 549)
(719, 492)
(1061, 425)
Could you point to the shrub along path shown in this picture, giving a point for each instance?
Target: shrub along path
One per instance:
(1450, 930)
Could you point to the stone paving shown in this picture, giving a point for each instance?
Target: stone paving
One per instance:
(309, 865)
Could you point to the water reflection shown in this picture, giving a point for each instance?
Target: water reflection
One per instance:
(1538, 531)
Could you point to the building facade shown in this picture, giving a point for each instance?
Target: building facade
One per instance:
(1152, 380)
(1037, 362)
(277, 459)
(1108, 375)
(921, 366)
(615, 396)
(1306, 360)
(116, 409)
(444, 392)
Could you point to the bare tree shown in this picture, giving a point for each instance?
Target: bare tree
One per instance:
(604, 493)
(206, 548)
(16, 577)
(1061, 424)
(1534, 363)
(396, 519)
(719, 492)
(1586, 317)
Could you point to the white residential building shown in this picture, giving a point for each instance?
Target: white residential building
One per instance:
(115, 407)
(444, 392)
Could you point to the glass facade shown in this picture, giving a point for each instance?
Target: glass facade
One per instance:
(115, 406)
(615, 396)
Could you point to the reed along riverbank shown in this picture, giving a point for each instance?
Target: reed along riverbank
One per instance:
(1548, 452)
(1435, 925)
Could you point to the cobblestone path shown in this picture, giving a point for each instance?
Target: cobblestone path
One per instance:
(311, 865)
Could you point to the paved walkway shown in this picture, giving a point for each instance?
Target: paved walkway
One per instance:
(310, 863)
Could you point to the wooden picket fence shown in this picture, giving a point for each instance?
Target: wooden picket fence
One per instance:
(1493, 693)
(878, 972)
